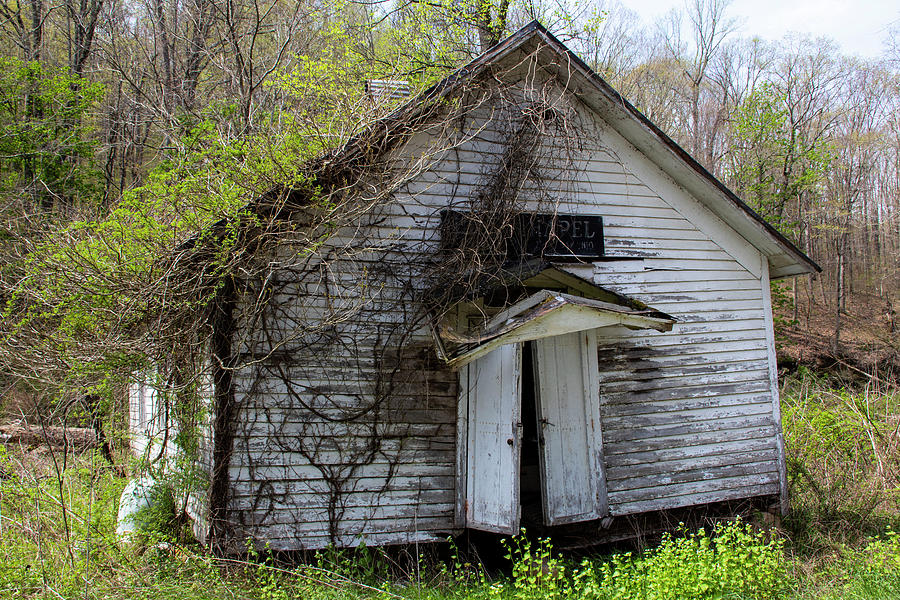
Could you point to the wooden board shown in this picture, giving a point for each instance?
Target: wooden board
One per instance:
(491, 387)
(572, 468)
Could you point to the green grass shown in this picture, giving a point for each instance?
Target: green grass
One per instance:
(57, 537)
(843, 451)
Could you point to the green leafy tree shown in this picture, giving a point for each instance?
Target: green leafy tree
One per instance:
(46, 142)
(773, 164)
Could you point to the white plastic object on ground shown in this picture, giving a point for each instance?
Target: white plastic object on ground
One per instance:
(137, 495)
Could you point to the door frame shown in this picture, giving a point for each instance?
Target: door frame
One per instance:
(587, 341)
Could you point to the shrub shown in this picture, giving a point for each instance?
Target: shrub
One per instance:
(734, 562)
(843, 455)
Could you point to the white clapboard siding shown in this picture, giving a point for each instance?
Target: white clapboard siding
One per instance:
(318, 512)
(152, 434)
(296, 537)
(690, 466)
(654, 479)
(744, 488)
(359, 492)
(273, 484)
(572, 469)
(401, 484)
(306, 471)
(645, 428)
(490, 389)
(687, 416)
(154, 439)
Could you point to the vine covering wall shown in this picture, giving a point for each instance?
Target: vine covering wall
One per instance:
(331, 399)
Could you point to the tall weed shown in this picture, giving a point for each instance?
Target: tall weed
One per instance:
(843, 454)
(733, 562)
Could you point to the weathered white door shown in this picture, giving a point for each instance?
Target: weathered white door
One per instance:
(490, 389)
(568, 398)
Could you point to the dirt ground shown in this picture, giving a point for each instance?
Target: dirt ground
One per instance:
(869, 342)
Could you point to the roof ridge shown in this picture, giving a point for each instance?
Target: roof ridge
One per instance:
(417, 106)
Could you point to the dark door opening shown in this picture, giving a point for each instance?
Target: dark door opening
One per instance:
(530, 486)
(531, 446)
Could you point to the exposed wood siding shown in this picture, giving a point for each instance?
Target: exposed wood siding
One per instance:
(687, 416)
(284, 456)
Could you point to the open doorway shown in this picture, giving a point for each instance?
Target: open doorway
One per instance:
(529, 435)
(530, 490)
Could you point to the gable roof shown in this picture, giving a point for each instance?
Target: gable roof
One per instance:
(784, 258)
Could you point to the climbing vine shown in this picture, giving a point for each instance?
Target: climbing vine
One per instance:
(288, 319)
(334, 369)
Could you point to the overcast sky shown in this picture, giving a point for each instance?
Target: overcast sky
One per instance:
(858, 26)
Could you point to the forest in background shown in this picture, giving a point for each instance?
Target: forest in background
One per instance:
(128, 126)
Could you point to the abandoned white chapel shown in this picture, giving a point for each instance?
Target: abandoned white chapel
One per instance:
(522, 305)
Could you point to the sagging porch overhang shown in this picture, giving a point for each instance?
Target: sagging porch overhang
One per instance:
(544, 314)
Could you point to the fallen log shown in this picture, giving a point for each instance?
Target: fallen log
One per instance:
(76, 438)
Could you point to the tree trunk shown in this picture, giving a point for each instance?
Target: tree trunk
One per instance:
(490, 27)
(796, 313)
(839, 295)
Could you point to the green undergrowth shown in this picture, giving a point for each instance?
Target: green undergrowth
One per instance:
(57, 540)
(843, 458)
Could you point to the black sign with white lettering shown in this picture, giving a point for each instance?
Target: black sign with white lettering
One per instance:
(553, 236)
(560, 236)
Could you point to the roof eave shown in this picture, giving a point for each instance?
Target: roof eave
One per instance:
(637, 129)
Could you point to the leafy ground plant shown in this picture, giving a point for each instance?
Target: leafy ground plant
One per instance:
(58, 510)
(733, 561)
